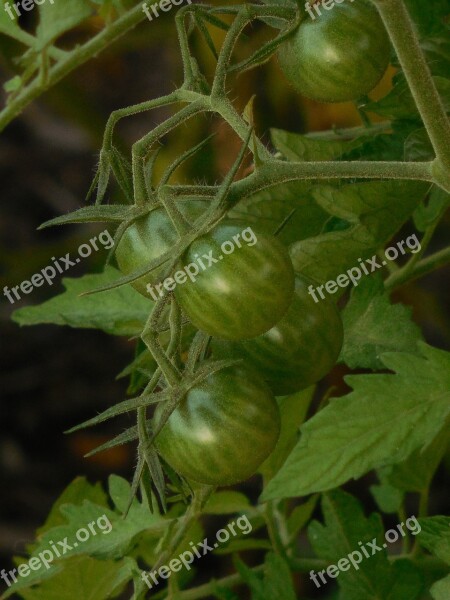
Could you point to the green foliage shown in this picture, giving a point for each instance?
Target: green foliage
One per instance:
(56, 19)
(276, 582)
(373, 326)
(435, 536)
(121, 311)
(382, 421)
(333, 198)
(344, 531)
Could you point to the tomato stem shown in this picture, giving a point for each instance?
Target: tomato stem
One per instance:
(404, 38)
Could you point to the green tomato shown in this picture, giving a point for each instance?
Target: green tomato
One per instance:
(222, 430)
(299, 350)
(148, 238)
(339, 55)
(247, 288)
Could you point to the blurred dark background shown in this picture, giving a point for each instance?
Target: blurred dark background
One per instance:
(53, 377)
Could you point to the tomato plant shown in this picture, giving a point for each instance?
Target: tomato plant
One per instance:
(340, 55)
(279, 260)
(299, 350)
(222, 430)
(247, 289)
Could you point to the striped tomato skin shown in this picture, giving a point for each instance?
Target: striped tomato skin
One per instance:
(149, 237)
(246, 291)
(299, 350)
(340, 55)
(222, 430)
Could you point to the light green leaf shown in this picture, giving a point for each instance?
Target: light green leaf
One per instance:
(75, 493)
(121, 311)
(375, 218)
(86, 578)
(301, 515)
(8, 25)
(293, 411)
(387, 496)
(435, 536)
(56, 17)
(441, 589)
(298, 147)
(94, 530)
(226, 502)
(345, 531)
(372, 326)
(381, 422)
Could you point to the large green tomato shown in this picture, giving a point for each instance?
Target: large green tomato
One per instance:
(149, 237)
(222, 430)
(299, 350)
(338, 55)
(244, 285)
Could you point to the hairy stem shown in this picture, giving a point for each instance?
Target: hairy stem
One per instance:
(424, 267)
(191, 515)
(412, 60)
(73, 60)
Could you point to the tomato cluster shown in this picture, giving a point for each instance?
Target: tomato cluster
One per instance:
(242, 291)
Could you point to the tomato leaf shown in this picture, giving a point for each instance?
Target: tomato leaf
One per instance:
(226, 502)
(345, 529)
(399, 103)
(372, 326)
(121, 311)
(387, 496)
(293, 411)
(382, 421)
(269, 208)
(82, 577)
(426, 214)
(441, 589)
(416, 472)
(375, 218)
(276, 583)
(8, 25)
(298, 147)
(58, 17)
(435, 536)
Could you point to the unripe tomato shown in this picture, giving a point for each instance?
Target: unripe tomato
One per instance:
(222, 430)
(245, 291)
(299, 350)
(149, 237)
(340, 54)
